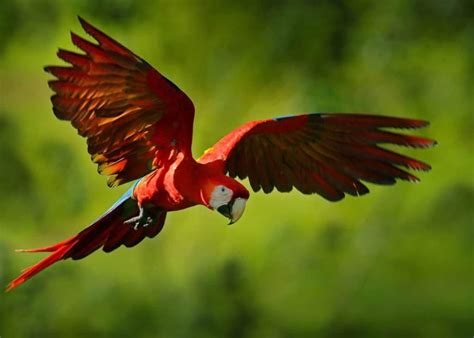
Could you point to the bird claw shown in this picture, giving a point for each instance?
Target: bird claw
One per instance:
(143, 220)
(138, 225)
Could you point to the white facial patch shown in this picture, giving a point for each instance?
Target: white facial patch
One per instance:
(220, 196)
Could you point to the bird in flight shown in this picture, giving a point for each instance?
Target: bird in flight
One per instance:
(139, 126)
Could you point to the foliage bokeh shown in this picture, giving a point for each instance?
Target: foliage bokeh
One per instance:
(395, 263)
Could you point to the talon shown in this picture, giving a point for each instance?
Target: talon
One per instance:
(136, 219)
(145, 218)
(132, 220)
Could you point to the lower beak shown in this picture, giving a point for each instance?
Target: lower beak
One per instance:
(226, 210)
(233, 210)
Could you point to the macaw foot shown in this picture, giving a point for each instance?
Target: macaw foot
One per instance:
(146, 217)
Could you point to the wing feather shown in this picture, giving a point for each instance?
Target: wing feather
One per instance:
(326, 154)
(116, 100)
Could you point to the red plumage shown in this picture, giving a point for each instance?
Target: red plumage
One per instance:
(139, 125)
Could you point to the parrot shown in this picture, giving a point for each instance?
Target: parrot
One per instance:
(139, 126)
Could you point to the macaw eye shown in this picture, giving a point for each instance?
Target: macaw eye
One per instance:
(222, 190)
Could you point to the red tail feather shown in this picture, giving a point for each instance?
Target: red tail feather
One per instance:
(58, 254)
(109, 231)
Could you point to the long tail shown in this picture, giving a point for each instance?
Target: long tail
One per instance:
(109, 232)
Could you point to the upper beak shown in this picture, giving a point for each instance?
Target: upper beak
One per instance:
(233, 210)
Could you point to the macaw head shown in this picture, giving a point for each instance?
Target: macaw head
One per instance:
(227, 196)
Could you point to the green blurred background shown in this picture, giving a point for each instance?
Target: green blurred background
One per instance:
(395, 263)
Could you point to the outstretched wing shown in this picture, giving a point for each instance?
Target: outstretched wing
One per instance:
(327, 154)
(131, 115)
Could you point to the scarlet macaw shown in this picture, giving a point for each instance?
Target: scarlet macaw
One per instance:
(139, 125)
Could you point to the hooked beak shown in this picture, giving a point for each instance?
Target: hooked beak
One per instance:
(233, 210)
